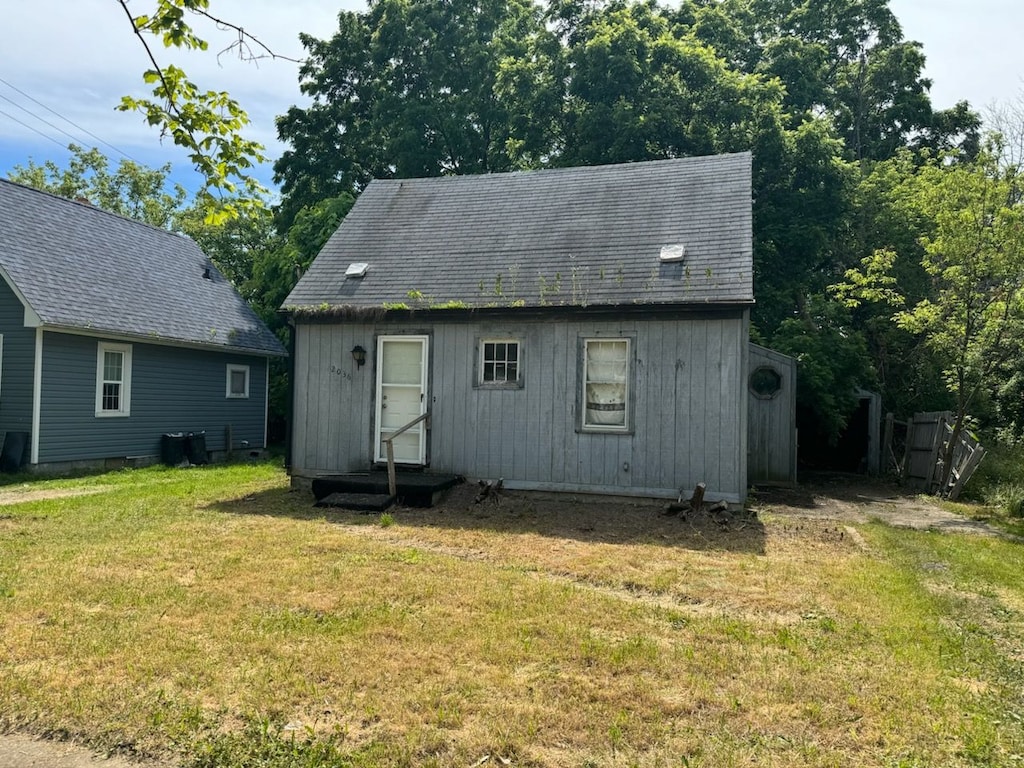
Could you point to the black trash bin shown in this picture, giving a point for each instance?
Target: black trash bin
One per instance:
(13, 455)
(172, 448)
(197, 448)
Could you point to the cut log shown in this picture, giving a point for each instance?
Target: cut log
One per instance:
(697, 500)
(674, 508)
(489, 490)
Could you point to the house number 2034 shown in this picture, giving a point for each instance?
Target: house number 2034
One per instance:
(339, 372)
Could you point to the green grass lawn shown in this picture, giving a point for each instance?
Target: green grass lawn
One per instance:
(214, 617)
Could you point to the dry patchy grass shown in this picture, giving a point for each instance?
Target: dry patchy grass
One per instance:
(213, 613)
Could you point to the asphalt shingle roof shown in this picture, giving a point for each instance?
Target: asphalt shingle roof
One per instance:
(563, 237)
(79, 267)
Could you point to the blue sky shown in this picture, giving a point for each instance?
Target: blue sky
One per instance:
(78, 57)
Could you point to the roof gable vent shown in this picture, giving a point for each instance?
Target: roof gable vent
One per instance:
(674, 252)
(357, 269)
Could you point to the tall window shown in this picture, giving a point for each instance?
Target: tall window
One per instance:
(499, 362)
(606, 384)
(237, 381)
(113, 379)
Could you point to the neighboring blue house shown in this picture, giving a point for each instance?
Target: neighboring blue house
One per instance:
(113, 332)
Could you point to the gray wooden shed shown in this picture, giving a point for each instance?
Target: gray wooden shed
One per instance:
(113, 332)
(771, 417)
(579, 329)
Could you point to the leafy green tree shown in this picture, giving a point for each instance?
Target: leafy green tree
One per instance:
(236, 246)
(973, 316)
(833, 362)
(207, 124)
(848, 59)
(277, 270)
(131, 190)
(639, 90)
(408, 88)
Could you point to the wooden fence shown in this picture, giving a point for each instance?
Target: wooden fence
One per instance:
(914, 449)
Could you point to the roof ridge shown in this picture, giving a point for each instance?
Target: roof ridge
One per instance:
(86, 205)
(576, 169)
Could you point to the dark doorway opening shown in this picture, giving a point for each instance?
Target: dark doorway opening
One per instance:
(851, 450)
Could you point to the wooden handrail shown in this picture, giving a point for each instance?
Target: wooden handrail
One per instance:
(392, 480)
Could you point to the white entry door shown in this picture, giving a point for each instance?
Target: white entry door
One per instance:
(402, 396)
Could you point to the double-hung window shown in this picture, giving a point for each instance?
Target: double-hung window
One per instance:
(113, 379)
(606, 392)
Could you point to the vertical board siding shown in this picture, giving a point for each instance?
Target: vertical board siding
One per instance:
(16, 371)
(173, 389)
(771, 425)
(688, 390)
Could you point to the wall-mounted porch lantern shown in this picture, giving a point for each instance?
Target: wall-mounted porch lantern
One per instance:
(359, 355)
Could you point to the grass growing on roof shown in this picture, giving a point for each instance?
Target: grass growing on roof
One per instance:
(215, 614)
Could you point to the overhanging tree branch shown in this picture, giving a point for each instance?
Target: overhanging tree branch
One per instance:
(207, 124)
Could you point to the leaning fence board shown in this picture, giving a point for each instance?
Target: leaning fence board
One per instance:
(964, 474)
(928, 436)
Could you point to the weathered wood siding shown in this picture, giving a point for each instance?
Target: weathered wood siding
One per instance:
(688, 398)
(771, 422)
(173, 389)
(16, 364)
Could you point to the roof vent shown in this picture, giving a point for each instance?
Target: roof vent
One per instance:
(357, 269)
(673, 252)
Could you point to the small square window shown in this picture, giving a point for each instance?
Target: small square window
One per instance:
(238, 381)
(499, 362)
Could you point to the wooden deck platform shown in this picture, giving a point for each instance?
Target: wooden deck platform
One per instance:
(415, 489)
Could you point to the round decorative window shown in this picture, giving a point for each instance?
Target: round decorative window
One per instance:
(765, 382)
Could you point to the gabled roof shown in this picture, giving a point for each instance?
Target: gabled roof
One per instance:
(80, 268)
(589, 236)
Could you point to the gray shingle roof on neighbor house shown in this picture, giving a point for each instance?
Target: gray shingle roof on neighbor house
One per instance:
(565, 237)
(82, 268)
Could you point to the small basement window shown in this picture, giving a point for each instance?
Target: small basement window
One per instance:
(237, 381)
(765, 382)
(500, 363)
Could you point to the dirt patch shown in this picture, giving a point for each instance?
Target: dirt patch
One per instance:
(839, 499)
(7, 498)
(856, 499)
(17, 751)
(589, 519)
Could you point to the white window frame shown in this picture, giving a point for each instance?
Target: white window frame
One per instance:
(125, 398)
(228, 392)
(506, 383)
(626, 426)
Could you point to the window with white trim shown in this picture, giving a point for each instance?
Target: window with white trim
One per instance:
(113, 379)
(237, 381)
(499, 362)
(606, 385)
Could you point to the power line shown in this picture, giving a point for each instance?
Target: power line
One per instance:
(41, 120)
(65, 119)
(33, 129)
(75, 139)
